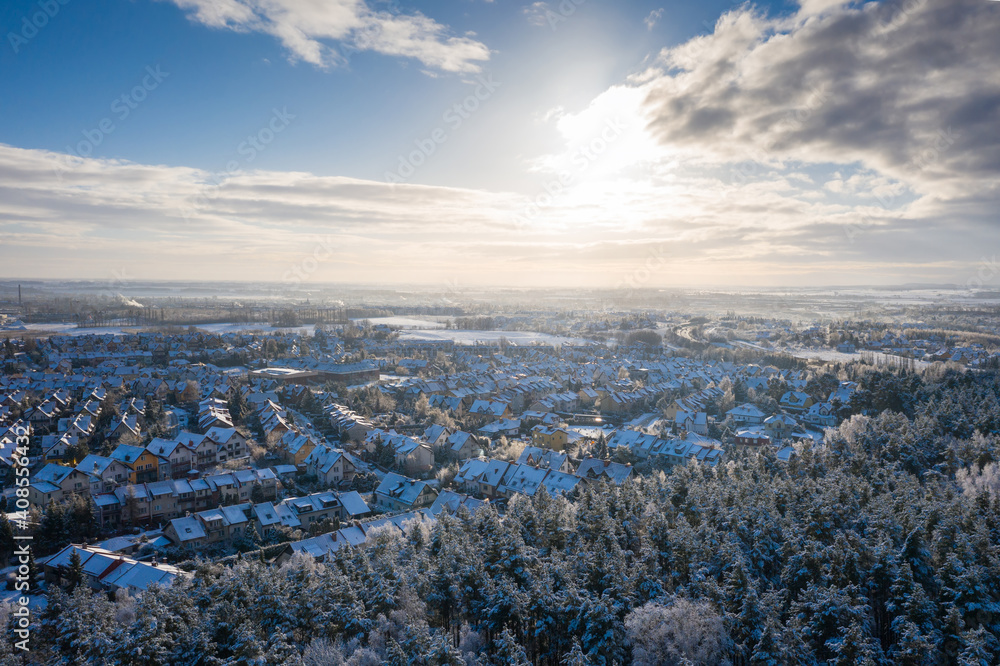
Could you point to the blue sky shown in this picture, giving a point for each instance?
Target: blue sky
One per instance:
(786, 114)
(351, 120)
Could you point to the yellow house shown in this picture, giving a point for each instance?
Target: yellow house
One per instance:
(550, 438)
(144, 467)
(296, 448)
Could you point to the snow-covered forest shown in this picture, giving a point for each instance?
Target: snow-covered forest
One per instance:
(880, 547)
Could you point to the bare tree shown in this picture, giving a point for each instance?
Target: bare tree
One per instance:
(685, 632)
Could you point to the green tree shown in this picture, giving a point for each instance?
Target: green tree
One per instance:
(74, 575)
(7, 542)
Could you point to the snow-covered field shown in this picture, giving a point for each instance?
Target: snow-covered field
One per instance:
(402, 322)
(71, 329)
(520, 338)
(255, 328)
(836, 356)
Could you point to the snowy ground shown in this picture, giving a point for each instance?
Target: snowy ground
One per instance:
(71, 329)
(402, 322)
(836, 356)
(521, 338)
(255, 328)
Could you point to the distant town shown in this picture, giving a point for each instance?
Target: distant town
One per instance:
(154, 441)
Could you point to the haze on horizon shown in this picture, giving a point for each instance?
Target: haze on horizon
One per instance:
(573, 143)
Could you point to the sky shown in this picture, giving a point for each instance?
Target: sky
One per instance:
(468, 143)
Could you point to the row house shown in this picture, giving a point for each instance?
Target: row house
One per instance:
(348, 423)
(161, 501)
(223, 525)
(106, 571)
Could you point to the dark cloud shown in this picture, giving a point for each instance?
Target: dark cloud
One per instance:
(877, 83)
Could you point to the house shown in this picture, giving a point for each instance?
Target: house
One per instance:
(322, 546)
(437, 436)
(163, 501)
(43, 416)
(231, 444)
(108, 571)
(135, 505)
(482, 476)
(326, 505)
(754, 437)
(594, 469)
(330, 466)
(696, 422)
(508, 427)
(746, 414)
(412, 455)
(680, 451)
(527, 480)
(556, 439)
(462, 445)
(451, 501)
(175, 458)
(820, 414)
(559, 483)
(187, 532)
(587, 396)
(796, 401)
(204, 451)
(105, 474)
(843, 393)
(294, 448)
(249, 479)
(269, 518)
(107, 510)
(544, 458)
(144, 465)
(347, 423)
(126, 430)
(225, 488)
(523, 479)
(779, 426)
(55, 483)
(399, 493)
(482, 411)
(56, 448)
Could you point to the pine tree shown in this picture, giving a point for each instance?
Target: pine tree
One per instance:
(52, 532)
(507, 651)
(7, 541)
(74, 575)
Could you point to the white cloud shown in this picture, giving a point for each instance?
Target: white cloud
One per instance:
(327, 32)
(653, 18)
(62, 219)
(538, 13)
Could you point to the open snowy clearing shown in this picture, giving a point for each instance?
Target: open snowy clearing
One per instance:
(520, 338)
